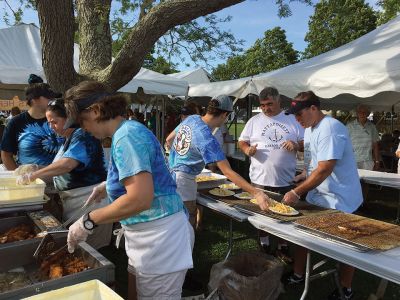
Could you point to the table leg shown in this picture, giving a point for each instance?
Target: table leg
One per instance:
(230, 239)
(397, 221)
(307, 276)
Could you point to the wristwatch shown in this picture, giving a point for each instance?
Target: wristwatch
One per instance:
(88, 222)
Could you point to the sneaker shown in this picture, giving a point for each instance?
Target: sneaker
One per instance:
(336, 295)
(291, 279)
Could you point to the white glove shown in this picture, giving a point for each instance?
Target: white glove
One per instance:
(23, 169)
(76, 234)
(24, 179)
(99, 193)
(263, 200)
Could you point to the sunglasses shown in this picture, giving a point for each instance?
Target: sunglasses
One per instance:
(56, 102)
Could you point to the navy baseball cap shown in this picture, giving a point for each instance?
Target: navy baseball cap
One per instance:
(298, 105)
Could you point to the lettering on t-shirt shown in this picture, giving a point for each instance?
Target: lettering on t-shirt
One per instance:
(183, 140)
(274, 133)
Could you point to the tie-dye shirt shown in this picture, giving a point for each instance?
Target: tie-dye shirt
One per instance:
(135, 149)
(87, 150)
(31, 140)
(194, 146)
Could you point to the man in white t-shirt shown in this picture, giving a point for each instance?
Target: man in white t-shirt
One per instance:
(271, 140)
(331, 176)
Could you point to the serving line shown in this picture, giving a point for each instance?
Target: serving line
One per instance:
(385, 264)
(382, 179)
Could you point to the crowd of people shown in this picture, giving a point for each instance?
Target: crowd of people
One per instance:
(58, 140)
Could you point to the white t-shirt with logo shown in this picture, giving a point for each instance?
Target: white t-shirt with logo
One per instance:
(272, 165)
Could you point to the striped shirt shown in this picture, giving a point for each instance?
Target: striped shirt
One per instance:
(362, 138)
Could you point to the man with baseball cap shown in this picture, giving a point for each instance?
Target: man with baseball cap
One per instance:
(28, 135)
(331, 175)
(195, 146)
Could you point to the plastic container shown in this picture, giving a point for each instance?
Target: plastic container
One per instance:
(89, 290)
(11, 193)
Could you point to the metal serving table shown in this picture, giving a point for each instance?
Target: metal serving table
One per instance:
(382, 264)
(383, 179)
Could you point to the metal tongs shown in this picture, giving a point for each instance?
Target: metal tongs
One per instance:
(48, 243)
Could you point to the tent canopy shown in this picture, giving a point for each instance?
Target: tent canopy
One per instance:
(366, 70)
(196, 76)
(21, 55)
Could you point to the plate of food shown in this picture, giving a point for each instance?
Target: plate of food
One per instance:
(244, 196)
(283, 209)
(221, 192)
(229, 186)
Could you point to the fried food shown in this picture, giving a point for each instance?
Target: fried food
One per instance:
(62, 264)
(229, 186)
(244, 195)
(281, 208)
(56, 271)
(17, 233)
(202, 178)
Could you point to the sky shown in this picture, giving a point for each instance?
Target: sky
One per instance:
(250, 19)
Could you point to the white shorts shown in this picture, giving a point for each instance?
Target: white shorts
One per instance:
(186, 186)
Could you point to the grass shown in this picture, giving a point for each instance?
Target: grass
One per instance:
(211, 247)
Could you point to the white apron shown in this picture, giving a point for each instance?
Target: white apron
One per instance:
(162, 246)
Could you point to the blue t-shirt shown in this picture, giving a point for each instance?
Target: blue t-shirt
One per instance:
(87, 150)
(194, 146)
(135, 149)
(31, 140)
(341, 190)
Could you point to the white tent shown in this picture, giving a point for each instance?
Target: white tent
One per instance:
(196, 76)
(365, 70)
(21, 55)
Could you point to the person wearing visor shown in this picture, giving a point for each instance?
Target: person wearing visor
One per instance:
(331, 176)
(77, 168)
(195, 146)
(141, 192)
(28, 135)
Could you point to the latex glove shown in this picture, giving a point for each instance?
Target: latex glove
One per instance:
(24, 179)
(290, 198)
(263, 200)
(300, 177)
(290, 146)
(251, 150)
(99, 193)
(24, 169)
(76, 234)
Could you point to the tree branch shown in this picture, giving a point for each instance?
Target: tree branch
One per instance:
(147, 31)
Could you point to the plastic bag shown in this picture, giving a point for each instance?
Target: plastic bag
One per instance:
(251, 275)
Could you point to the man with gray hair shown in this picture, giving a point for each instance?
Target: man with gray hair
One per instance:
(364, 138)
(271, 140)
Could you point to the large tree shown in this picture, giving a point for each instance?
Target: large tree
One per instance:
(271, 52)
(390, 9)
(337, 22)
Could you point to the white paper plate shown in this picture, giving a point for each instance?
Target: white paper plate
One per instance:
(221, 192)
(244, 196)
(292, 212)
(229, 186)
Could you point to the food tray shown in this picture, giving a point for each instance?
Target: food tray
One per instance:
(89, 290)
(305, 209)
(214, 180)
(369, 233)
(11, 193)
(100, 268)
(19, 248)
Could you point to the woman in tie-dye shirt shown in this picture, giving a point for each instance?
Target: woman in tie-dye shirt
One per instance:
(142, 195)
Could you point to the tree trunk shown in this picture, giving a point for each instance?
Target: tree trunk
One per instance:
(94, 36)
(56, 19)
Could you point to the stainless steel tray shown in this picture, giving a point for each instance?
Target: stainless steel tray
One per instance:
(19, 249)
(100, 268)
(349, 244)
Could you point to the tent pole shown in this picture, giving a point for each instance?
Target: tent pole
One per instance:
(391, 120)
